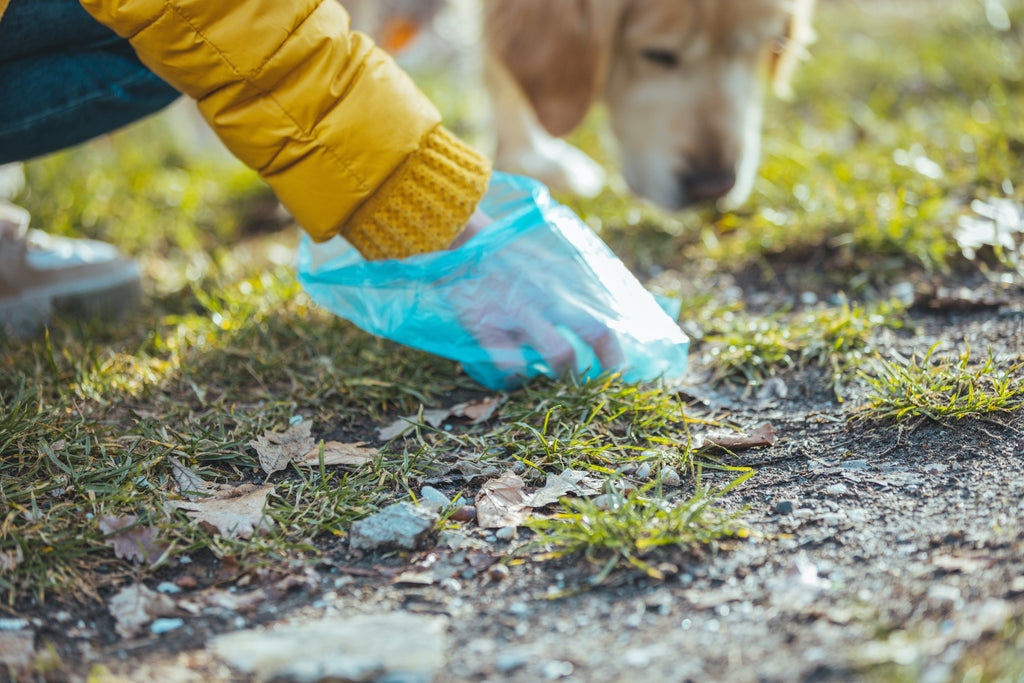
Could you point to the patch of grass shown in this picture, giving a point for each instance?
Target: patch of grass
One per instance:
(622, 531)
(750, 349)
(943, 388)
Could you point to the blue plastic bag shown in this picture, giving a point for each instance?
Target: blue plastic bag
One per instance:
(534, 293)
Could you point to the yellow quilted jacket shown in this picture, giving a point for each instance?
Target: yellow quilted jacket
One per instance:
(337, 129)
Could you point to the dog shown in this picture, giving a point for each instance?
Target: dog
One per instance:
(682, 81)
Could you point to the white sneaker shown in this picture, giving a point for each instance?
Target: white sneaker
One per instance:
(42, 274)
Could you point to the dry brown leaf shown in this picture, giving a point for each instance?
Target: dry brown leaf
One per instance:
(237, 512)
(135, 606)
(576, 482)
(475, 411)
(276, 449)
(337, 453)
(501, 502)
(10, 559)
(131, 542)
(17, 649)
(738, 441)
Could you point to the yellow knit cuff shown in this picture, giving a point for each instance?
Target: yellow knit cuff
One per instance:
(424, 204)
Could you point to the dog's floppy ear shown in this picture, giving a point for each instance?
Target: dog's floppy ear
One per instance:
(557, 51)
(792, 47)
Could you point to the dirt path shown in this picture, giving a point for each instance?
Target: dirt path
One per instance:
(875, 553)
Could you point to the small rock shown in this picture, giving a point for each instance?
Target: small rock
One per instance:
(168, 587)
(784, 507)
(669, 477)
(935, 468)
(854, 464)
(436, 499)
(466, 513)
(506, 533)
(186, 582)
(643, 471)
(556, 669)
(497, 572)
(837, 489)
(508, 662)
(401, 525)
(161, 626)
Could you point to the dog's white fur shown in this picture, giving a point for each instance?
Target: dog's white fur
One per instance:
(682, 81)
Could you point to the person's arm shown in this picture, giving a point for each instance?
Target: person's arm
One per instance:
(337, 129)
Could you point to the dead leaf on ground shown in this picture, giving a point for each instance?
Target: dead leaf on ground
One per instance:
(193, 487)
(763, 435)
(236, 512)
(131, 541)
(337, 453)
(502, 502)
(475, 411)
(575, 482)
(276, 449)
(135, 606)
(10, 559)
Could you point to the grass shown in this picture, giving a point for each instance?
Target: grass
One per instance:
(226, 345)
(618, 531)
(943, 388)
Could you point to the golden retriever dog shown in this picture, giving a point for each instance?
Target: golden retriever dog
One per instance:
(683, 81)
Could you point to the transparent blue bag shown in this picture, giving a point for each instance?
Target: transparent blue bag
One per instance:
(534, 293)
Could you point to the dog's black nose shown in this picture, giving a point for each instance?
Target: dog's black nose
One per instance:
(702, 185)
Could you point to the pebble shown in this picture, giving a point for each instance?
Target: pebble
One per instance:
(837, 489)
(401, 525)
(161, 626)
(643, 471)
(466, 513)
(168, 587)
(556, 669)
(506, 533)
(784, 507)
(508, 662)
(186, 582)
(669, 477)
(497, 572)
(935, 468)
(434, 497)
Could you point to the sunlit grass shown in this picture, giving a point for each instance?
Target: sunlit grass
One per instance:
(943, 388)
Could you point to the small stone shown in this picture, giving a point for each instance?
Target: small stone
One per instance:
(497, 572)
(466, 513)
(854, 464)
(669, 477)
(186, 582)
(784, 507)
(935, 468)
(505, 533)
(161, 626)
(436, 499)
(508, 662)
(837, 489)
(643, 471)
(556, 669)
(168, 587)
(401, 526)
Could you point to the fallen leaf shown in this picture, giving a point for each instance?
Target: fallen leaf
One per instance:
(130, 541)
(738, 441)
(276, 449)
(475, 411)
(501, 502)
(135, 606)
(576, 482)
(17, 649)
(234, 513)
(10, 559)
(337, 453)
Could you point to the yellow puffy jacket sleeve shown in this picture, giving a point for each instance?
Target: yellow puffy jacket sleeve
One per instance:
(338, 130)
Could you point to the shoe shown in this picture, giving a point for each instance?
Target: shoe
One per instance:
(41, 275)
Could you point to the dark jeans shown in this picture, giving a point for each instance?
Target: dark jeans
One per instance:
(65, 78)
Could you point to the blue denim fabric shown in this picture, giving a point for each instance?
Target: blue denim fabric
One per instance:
(65, 78)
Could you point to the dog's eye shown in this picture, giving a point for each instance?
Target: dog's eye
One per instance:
(665, 58)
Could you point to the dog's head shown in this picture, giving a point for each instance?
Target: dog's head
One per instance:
(683, 80)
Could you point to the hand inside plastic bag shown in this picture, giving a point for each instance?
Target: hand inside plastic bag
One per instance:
(535, 292)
